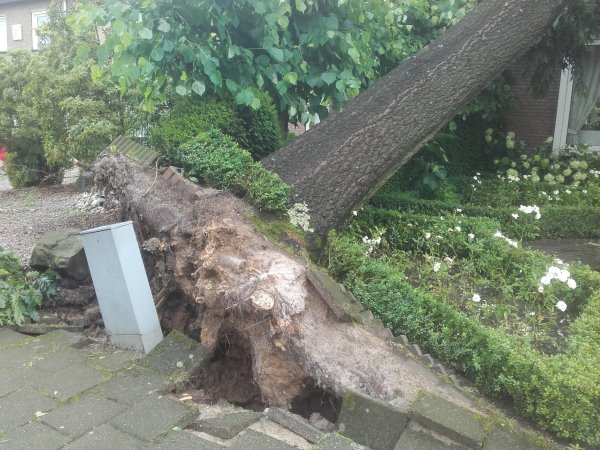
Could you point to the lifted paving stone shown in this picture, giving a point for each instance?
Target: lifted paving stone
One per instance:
(419, 439)
(253, 440)
(70, 381)
(457, 422)
(295, 423)
(105, 437)
(226, 426)
(152, 416)
(501, 438)
(184, 440)
(337, 442)
(19, 407)
(371, 422)
(34, 436)
(76, 418)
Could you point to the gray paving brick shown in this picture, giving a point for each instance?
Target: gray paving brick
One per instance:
(130, 386)
(70, 381)
(83, 415)
(337, 442)
(253, 440)
(112, 360)
(17, 377)
(152, 416)
(184, 440)
(105, 437)
(59, 360)
(295, 423)
(33, 436)
(19, 407)
(227, 426)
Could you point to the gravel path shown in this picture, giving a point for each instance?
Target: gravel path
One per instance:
(25, 214)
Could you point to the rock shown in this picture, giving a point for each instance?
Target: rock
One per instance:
(79, 296)
(62, 251)
(321, 423)
(226, 426)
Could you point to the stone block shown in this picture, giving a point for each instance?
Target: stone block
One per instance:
(294, 423)
(337, 442)
(253, 440)
(501, 438)
(450, 419)
(415, 350)
(427, 359)
(19, 407)
(338, 301)
(33, 436)
(106, 437)
(153, 416)
(81, 416)
(226, 426)
(402, 339)
(183, 440)
(176, 356)
(439, 369)
(371, 422)
(415, 438)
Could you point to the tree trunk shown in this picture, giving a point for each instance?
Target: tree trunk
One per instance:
(338, 164)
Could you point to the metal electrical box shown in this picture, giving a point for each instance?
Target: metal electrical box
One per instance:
(122, 286)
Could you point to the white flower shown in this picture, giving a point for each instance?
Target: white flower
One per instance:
(476, 298)
(568, 191)
(437, 266)
(366, 239)
(556, 192)
(515, 216)
(584, 191)
(355, 213)
(541, 289)
(427, 235)
(532, 313)
(571, 283)
(561, 306)
(457, 228)
(458, 210)
(448, 260)
(546, 280)
(471, 236)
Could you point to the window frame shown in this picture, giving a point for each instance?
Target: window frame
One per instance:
(35, 39)
(5, 41)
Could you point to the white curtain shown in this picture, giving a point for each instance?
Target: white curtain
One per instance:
(582, 105)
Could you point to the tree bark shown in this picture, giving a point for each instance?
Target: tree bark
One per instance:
(338, 164)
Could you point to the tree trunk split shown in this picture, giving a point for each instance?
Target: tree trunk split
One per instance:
(217, 278)
(338, 164)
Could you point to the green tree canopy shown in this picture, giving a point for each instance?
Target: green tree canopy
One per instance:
(306, 53)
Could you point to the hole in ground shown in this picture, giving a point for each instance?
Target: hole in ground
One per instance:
(229, 375)
(315, 400)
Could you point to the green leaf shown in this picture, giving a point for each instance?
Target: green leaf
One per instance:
(354, 54)
(329, 77)
(181, 89)
(245, 97)
(291, 78)
(283, 21)
(255, 104)
(157, 54)
(102, 54)
(164, 26)
(168, 45)
(231, 85)
(83, 51)
(300, 6)
(198, 87)
(145, 33)
(276, 53)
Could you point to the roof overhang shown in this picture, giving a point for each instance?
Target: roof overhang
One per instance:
(2, 2)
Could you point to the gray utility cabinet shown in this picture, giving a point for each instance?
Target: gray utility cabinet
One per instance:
(122, 286)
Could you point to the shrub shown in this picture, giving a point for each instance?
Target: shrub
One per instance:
(19, 296)
(26, 166)
(217, 160)
(255, 130)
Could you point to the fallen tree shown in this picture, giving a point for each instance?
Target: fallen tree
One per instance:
(215, 276)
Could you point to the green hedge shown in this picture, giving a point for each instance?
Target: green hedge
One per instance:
(215, 159)
(561, 393)
(254, 130)
(557, 221)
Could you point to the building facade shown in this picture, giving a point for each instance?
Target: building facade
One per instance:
(19, 20)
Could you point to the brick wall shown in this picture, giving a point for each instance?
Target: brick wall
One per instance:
(19, 12)
(531, 118)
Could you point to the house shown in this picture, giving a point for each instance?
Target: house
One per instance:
(568, 116)
(19, 20)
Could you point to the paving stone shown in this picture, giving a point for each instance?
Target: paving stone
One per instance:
(338, 300)
(59, 360)
(130, 386)
(112, 360)
(295, 423)
(226, 426)
(60, 339)
(19, 407)
(370, 422)
(33, 436)
(443, 416)
(44, 328)
(176, 355)
(105, 437)
(253, 440)
(71, 381)
(184, 440)
(17, 377)
(501, 438)
(152, 416)
(337, 442)
(15, 356)
(10, 337)
(83, 415)
(419, 439)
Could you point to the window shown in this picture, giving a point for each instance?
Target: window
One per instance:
(3, 35)
(38, 19)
